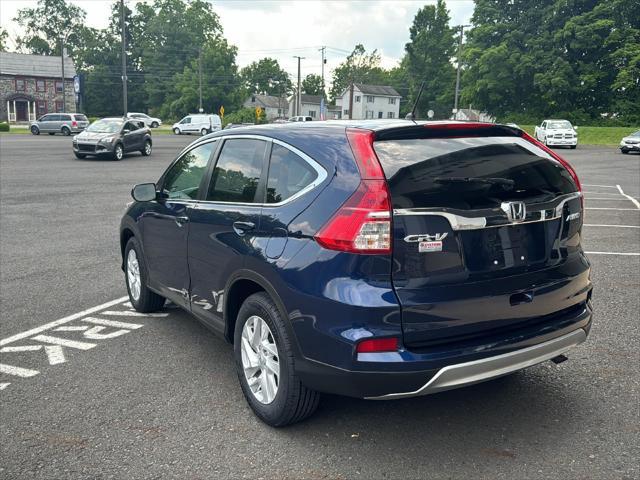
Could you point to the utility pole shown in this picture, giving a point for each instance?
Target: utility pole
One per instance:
(351, 101)
(200, 78)
(64, 89)
(299, 98)
(124, 60)
(459, 61)
(324, 60)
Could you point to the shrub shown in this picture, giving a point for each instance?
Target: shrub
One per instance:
(4, 127)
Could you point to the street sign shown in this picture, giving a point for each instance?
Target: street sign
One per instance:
(221, 111)
(76, 84)
(430, 113)
(258, 113)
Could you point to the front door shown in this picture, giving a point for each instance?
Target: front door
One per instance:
(166, 226)
(131, 137)
(224, 225)
(22, 111)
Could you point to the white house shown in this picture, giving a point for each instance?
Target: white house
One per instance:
(469, 115)
(274, 107)
(310, 107)
(370, 101)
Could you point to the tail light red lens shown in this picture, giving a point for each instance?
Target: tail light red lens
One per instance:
(372, 345)
(74, 123)
(363, 223)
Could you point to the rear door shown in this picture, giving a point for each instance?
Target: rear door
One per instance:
(484, 231)
(223, 226)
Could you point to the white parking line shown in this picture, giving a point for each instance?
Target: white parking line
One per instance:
(619, 209)
(635, 202)
(18, 371)
(614, 253)
(127, 313)
(62, 321)
(4, 385)
(614, 226)
(604, 198)
(594, 185)
(601, 193)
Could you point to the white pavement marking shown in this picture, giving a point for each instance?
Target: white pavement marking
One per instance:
(17, 371)
(70, 318)
(64, 342)
(127, 313)
(619, 209)
(635, 202)
(55, 354)
(94, 333)
(606, 194)
(112, 323)
(21, 348)
(611, 199)
(594, 185)
(4, 385)
(71, 328)
(127, 305)
(614, 253)
(614, 226)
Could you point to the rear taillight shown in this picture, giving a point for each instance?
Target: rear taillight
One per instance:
(363, 223)
(372, 345)
(557, 157)
(74, 123)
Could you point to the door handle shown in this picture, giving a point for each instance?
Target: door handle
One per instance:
(243, 227)
(181, 220)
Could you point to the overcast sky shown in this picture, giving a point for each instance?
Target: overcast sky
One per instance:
(281, 29)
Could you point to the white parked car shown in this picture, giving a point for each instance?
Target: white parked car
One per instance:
(556, 133)
(197, 123)
(630, 143)
(301, 118)
(151, 122)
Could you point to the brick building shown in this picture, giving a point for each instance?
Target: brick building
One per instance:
(31, 85)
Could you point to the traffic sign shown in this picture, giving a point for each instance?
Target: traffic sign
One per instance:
(222, 111)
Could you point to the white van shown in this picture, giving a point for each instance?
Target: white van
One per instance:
(197, 123)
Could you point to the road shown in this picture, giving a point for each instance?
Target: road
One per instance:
(122, 396)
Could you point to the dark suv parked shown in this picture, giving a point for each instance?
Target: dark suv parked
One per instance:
(381, 259)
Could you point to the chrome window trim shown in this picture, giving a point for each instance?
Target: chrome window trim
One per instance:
(319, 169)
(460, 222)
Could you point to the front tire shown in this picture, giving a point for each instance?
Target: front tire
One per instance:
(65, 131)
(35, 130)
(146, 150)
(625, 151)
(203, 132)
(265, 364)
(154, 125)
(118, 152)
(141, 298)
(176, 131)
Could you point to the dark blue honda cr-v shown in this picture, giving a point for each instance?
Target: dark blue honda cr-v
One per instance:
(377, 260)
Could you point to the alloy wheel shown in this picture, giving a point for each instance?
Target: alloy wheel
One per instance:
(147, 148)
(260, 359)
(133, 274)
(118, 152)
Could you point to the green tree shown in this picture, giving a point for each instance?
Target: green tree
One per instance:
(266, 77)
(220, 81)
(359, 67)
(428, 58)
(312, 85)
(44, 25)
(4, 36)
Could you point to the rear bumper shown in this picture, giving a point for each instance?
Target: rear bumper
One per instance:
(407, 373)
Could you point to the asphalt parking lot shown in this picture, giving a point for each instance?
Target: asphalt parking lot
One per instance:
(89, 389)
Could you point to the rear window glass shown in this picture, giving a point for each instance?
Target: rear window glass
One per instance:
(469, 173)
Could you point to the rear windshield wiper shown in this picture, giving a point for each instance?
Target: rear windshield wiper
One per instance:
(505, 182)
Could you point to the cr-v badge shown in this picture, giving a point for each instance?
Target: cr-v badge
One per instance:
(427, 242)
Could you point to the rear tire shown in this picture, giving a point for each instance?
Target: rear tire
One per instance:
(65, 131)
(80, 155)
(154, 125)
(176, 131)
(142, 299)
(204, 132)
(35, 130)
(146, 150)
(118, 152)
(293, 401)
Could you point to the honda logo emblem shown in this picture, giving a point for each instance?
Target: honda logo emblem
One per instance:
(516, 211)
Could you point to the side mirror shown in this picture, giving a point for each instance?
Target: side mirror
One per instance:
(144, 192)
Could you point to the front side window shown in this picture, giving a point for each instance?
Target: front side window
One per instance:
(185, 120)
(288, 174)
(182, 181)
(237, 173)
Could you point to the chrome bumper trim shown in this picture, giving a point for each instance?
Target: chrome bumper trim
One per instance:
(468, 373)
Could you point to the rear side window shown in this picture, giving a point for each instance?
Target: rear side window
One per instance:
(182, 181)
(237, 173)
(469, 173)
(288, 174)
(65, 118)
